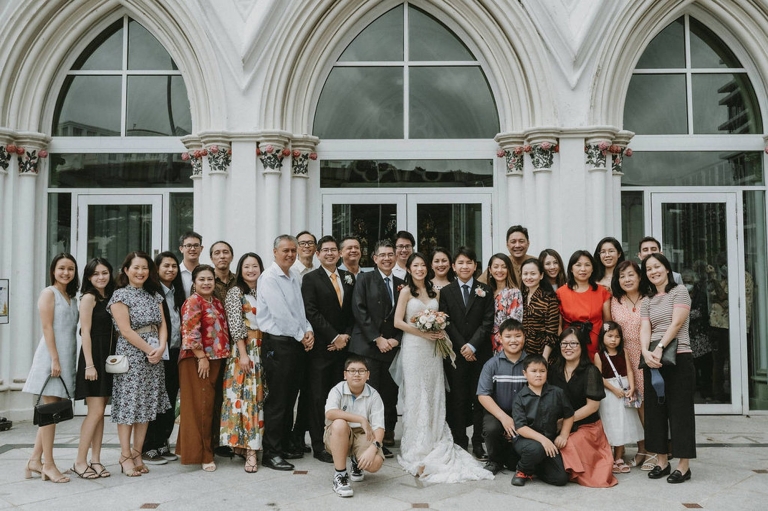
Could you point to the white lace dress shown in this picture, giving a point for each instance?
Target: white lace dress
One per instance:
(427, 449)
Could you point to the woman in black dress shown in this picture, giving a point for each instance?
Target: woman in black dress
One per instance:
(93, 383)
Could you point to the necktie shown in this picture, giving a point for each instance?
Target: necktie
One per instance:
(465, 289)
(336, 286)
(389, 290)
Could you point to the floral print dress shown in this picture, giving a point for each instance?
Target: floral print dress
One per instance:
(242, 412)
(507, 304)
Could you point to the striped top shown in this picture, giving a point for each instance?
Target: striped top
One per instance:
(658, 310)
(502, 379)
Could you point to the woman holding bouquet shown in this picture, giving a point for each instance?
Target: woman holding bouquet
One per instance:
(427, 449)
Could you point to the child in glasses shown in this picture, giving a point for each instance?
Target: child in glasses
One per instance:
(354, 424)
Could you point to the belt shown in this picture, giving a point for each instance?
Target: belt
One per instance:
(278, 337)
(148, 329)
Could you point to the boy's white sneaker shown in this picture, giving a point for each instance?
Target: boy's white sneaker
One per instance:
(356, 474)
(341, 485)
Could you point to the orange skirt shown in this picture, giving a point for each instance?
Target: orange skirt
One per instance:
(198, 405)
(588, 457)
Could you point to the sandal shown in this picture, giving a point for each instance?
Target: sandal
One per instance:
(131, 472)
(251, 462)
(650, 462)
(60, 478)
(619, 467)
(102, 472)
(87, 473)
(29, 470)
(209, 467)
(141, 467)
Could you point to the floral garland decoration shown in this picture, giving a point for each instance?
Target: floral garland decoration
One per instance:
(543, 154)
(196, 159)
(300, 162)
(618, 153)
(514, 159)
(219, 159)
(271, 158)
(28, 160)
(596, 154)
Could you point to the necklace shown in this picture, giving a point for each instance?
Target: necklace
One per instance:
(634, 302)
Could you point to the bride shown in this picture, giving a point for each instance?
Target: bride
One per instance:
(426, 449)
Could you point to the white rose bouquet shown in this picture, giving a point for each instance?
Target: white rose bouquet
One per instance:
(430, 320)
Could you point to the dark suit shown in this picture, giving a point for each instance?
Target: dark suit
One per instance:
(374, 316)
(328, 319)
(468, 324)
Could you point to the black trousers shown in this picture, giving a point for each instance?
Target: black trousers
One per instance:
(322, 374)
(160, 429)
(500, 450)
(381, 380)
(283, 362)
(534, 460)
(461, 401)
(675, 416)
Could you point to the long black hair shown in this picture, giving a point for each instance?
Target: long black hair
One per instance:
(87, 286)
(239, 281)
(575, 259)
(558, 365)
(545, 285)
(560, 279)
(74, 283)
(152, 284)
(451, 276)
(599, 266)
(178, 285)
(409, 280)
(645, 283)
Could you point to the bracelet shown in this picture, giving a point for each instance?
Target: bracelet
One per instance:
(90, 367)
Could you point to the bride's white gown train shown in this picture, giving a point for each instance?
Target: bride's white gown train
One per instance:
(427, 449)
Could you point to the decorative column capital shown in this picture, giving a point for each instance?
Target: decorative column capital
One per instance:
(303, 151)
(511, 148)
(6, 139)
(194, 154)
(218, 149)
(30, 148)
(272, 148)
(619, 150)
(542, 143)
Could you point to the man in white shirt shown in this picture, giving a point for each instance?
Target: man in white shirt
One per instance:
(404, 243)
(650, 245)
(190, 246)
(287, 336)
(305, 259)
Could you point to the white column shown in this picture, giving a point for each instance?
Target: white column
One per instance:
(622, 140)
(6, 165)
(303, 151)
(194, 147)
(246, 196)
(218, 159)
(512, 209)
(271, 145)
(542, 144)
(569, 205)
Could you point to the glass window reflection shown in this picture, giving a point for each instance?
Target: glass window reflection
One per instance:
(157, 106)
(431, 40)
(725, 103)
(119, 170)
(105, 52)
(88, 106)
(667, 49)
(410, 173)
(382, 40)
(656, 104)
(708, 50)
(693, 168)
(144, 51)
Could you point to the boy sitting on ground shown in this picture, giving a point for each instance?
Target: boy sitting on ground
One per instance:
(500, 381)
(354, 424)
(536, 411)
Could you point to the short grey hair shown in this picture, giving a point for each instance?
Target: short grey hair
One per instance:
(284, 237)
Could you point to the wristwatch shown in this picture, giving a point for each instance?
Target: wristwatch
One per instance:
(377, 444)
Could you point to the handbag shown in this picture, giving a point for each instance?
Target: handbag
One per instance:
(668, 354)
(629, 402)
(53, 413)
(115, 364)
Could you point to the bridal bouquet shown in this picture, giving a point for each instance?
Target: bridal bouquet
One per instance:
(430, 320)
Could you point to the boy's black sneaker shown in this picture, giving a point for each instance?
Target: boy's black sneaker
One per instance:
(520, 478)
(356, 474)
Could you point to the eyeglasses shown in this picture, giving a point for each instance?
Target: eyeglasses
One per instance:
(385, 255)
(609, 251)
(192, 246)
(569, 344)
(404, 247)
(356, 372)
(328, 250)
(307, 243)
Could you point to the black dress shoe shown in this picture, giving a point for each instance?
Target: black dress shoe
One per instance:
(224, 451)
(306, 449)
(293, 454)
(323, 456)
(276, 463)
(678, 477)
(387, 453)
(479, 452)
(492, 467)
(658, 472)
(389, 439)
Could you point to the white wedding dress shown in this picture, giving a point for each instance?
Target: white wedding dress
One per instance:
(427, 449)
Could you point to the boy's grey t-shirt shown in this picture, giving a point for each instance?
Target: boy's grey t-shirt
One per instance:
(368, 404)
(502, 379)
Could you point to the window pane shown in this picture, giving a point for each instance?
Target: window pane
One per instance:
(133, 222)
(361, 102)
(59, 224)
(88, 106)
(724, 103)
(667, 49)
(146, 52)
(369, 222)
(120, 170)
(632, 221)
(410, 173)
(656, 105)
(382, 40)
(756, 296)
(708, 50)
(693, 168)
(157, 106)
(450, 226)
(181, 220)
(105, 52)
(431, 40)
(451, 102)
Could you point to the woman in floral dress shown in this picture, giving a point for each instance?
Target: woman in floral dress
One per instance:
(204, 349)
(138, 395)
(506, 294)
(242, 412)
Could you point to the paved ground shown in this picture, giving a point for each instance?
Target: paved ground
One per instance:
(731, 472)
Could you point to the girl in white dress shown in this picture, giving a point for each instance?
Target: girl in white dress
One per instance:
(426, 449)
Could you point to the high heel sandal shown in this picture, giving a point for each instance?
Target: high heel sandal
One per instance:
(61, 478)
(251, 462)
(131, 472)
(102, 472)
(28, 471)
(87, 473)
(141, 467)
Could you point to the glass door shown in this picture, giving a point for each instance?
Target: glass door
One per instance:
(698, 234)
(111, 226)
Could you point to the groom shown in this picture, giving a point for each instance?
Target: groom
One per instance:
(469, 305)
(374, 335)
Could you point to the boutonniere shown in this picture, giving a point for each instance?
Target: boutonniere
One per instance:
(400, 287)
(349, 280)
(479, 291)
